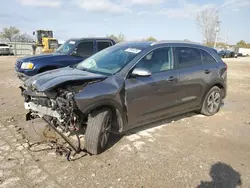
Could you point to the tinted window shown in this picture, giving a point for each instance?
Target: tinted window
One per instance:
(207, 58)
(103, 45)
(3, 45)
(157, 61)
(85, 49)
(188, 57)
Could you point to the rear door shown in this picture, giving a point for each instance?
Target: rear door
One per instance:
(210, 67)
(191, 76)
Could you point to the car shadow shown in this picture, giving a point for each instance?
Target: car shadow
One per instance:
(161, 122)
(223, 176)
(114, 138)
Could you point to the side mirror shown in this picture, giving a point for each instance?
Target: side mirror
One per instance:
(141, 72)
(74, 53)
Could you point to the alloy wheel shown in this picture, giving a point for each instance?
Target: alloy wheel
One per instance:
(213, 102)
(105, 132)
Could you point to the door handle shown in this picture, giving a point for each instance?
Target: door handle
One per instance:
(171, 79)
(207, 71)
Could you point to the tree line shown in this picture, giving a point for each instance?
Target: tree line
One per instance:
(207, 20)
(14, 34)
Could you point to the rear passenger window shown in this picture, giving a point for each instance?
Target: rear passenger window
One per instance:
(85, 49)
(102, 45)
(207, 58)
(188, 57)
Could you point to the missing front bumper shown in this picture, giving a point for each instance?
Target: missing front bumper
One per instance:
(40, 111)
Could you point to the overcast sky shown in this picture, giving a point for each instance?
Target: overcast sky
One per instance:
(136, 19)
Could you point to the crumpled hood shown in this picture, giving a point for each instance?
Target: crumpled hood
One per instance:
(48, 80)
(42, 57)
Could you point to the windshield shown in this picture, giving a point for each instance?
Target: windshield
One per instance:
(110, 60)
(66, 47)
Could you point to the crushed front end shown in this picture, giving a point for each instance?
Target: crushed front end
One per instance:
(58, 105)
(57, 108)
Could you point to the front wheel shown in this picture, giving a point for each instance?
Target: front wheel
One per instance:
(98, 131)
(212, 102)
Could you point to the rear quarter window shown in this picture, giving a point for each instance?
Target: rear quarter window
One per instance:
(207, 58)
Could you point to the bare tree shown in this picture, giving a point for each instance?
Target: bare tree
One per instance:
(208, 23)
(23, 38)
(8, 33)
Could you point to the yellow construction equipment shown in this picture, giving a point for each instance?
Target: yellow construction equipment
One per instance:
(45, 43)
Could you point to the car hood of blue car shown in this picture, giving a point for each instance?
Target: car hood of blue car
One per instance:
(42, 57)
(50, 79)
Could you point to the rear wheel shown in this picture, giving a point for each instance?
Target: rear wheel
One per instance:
(212, 102)
(98, 131)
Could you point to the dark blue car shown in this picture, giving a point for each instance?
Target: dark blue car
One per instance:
(71, 52)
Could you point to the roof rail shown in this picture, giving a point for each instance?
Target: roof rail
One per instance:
(174, 41)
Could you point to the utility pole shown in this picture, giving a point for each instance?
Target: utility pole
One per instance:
(217, 29)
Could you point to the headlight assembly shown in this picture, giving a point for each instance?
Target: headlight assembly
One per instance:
(27, 65)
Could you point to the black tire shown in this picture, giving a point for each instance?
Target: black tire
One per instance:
(99, 124)
(212, 101)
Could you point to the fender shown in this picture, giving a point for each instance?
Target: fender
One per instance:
(48, 68)
(117, 108)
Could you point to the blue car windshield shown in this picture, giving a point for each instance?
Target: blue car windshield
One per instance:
(110, 60)
(66, 47)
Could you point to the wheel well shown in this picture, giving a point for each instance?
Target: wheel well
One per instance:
(117, 122)
(221, 88)
(47, 69)
(219, 85)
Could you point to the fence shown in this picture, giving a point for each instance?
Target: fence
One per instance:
(20, 48)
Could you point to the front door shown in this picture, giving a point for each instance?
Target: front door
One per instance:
(153, 96)
(84, 50)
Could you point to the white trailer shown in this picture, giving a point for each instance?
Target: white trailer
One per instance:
(244, 51)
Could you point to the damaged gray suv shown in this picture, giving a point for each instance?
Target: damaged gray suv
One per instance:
(125, 86)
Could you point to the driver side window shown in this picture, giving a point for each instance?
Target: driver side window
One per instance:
(158, 60)
(85, 49)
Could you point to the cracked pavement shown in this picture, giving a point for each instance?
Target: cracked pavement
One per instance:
(184, 151)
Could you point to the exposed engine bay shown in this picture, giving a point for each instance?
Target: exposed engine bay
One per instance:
(58, 104)
(58, 108)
